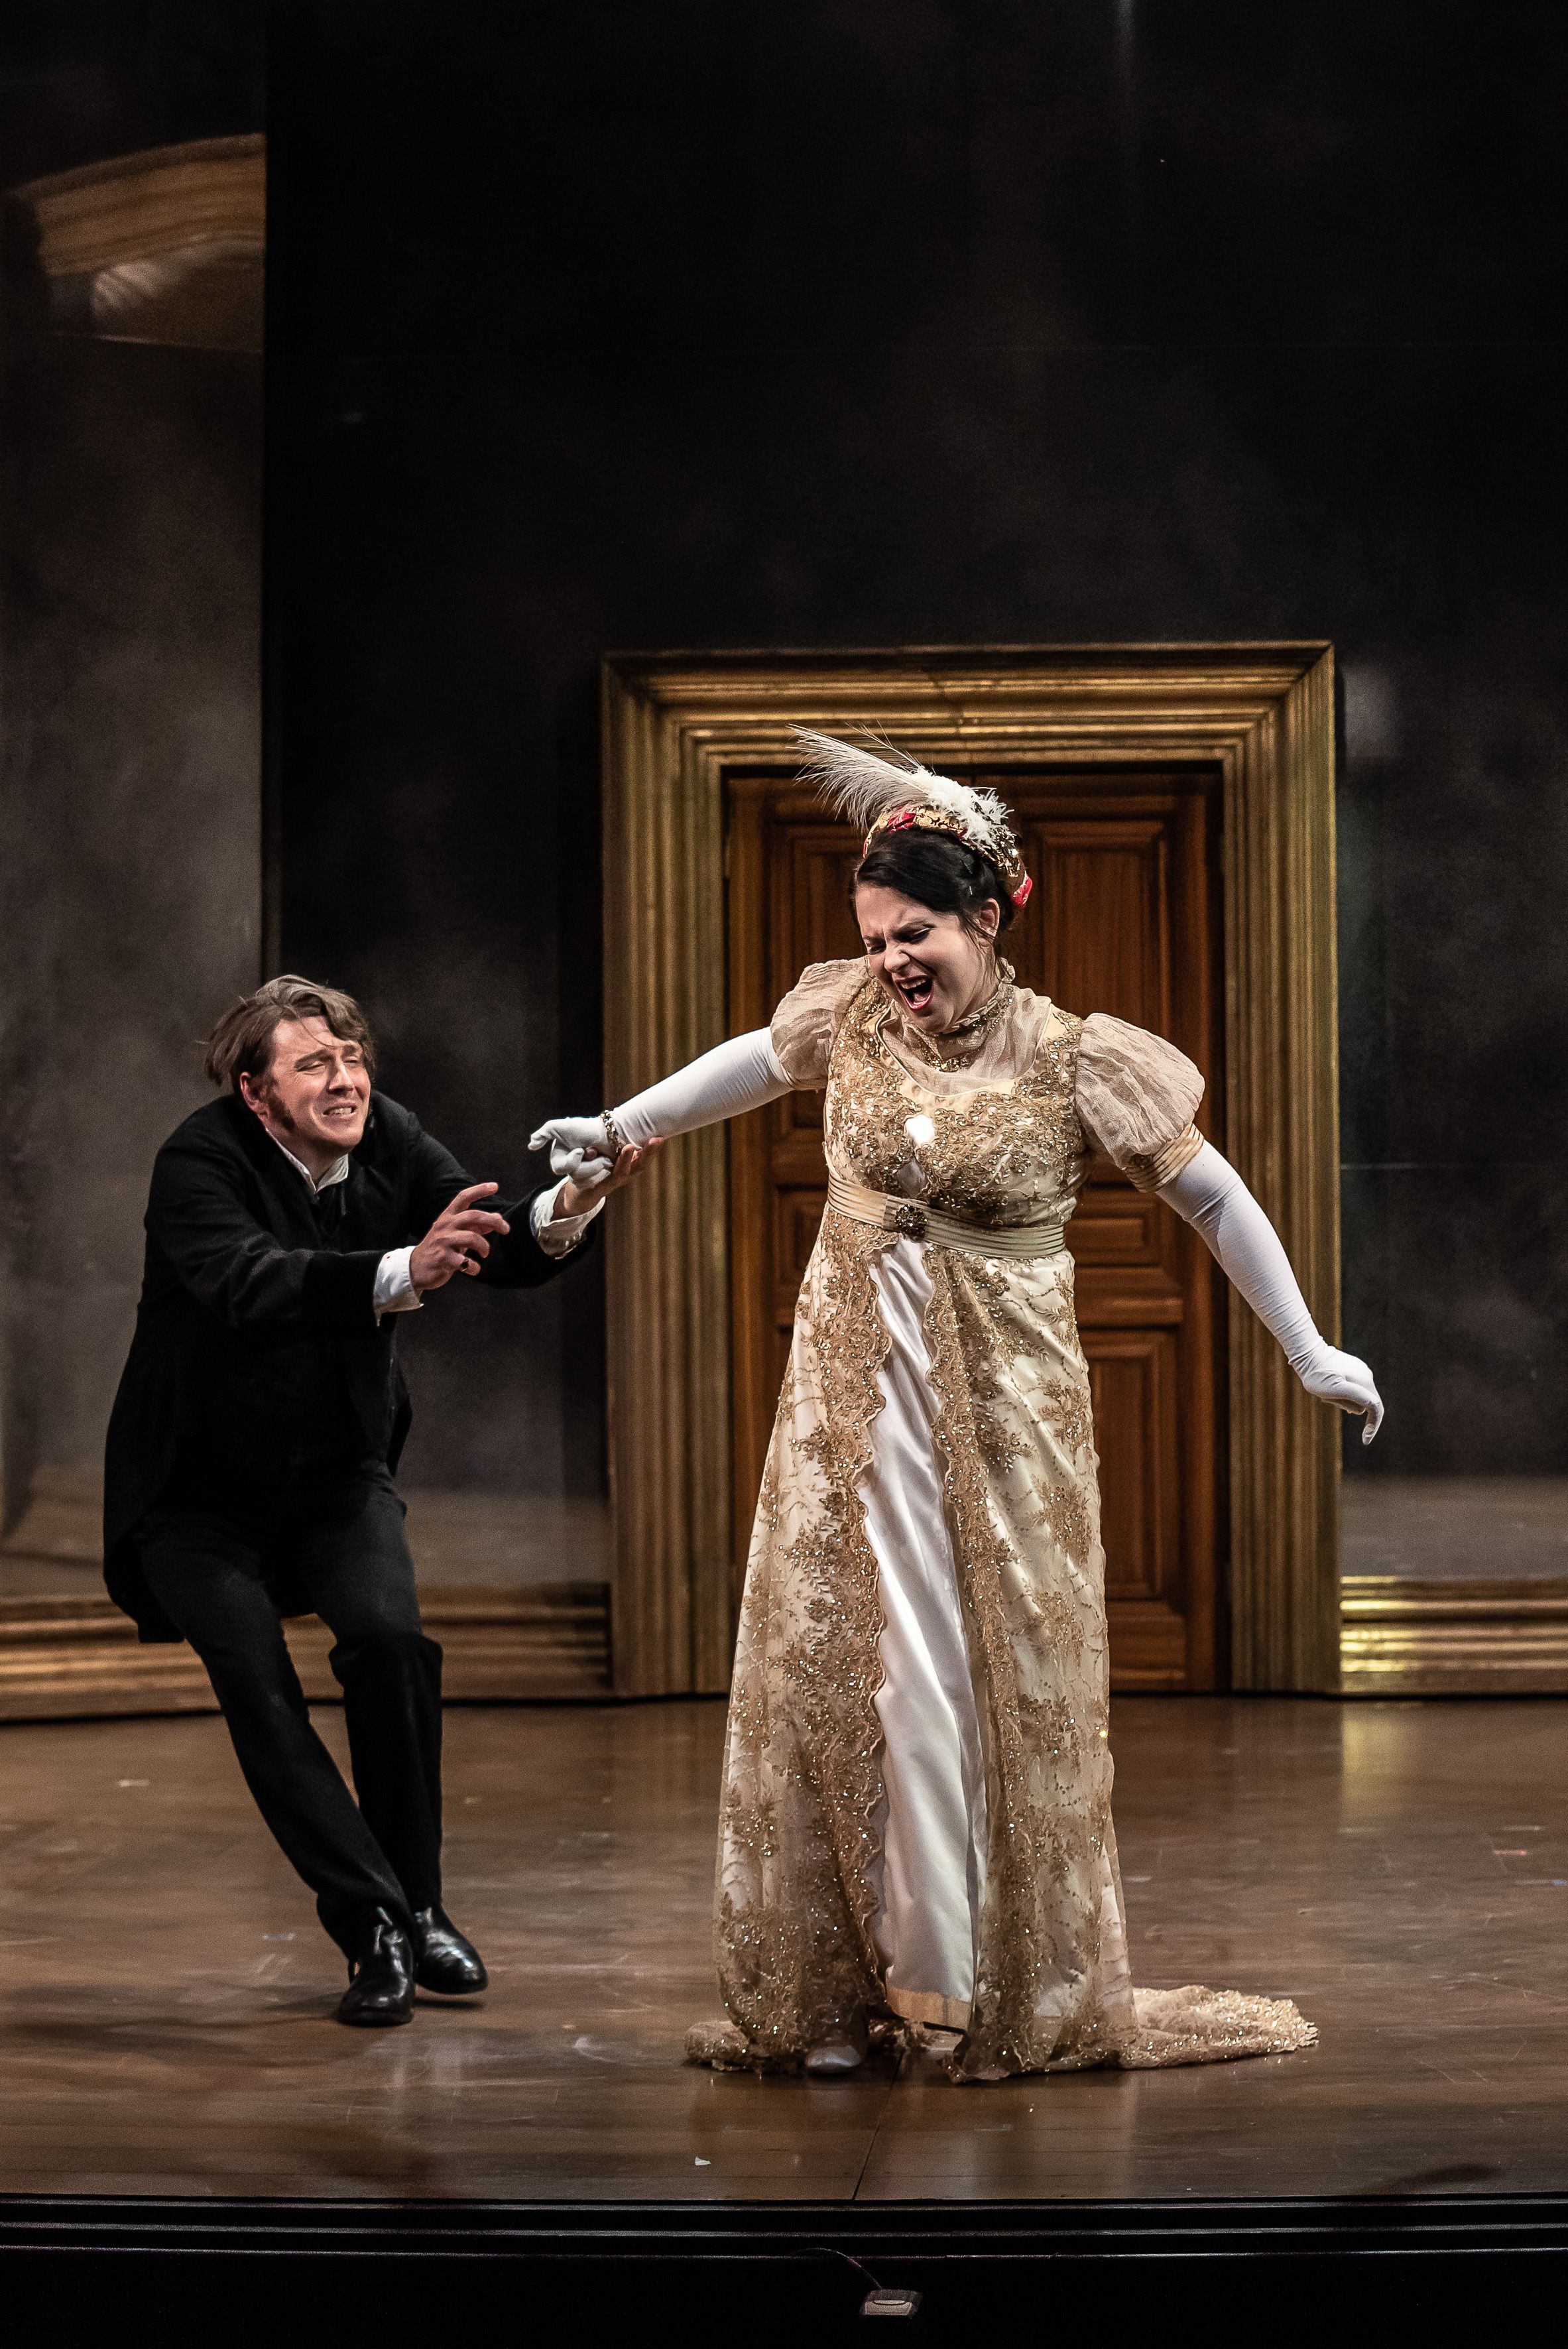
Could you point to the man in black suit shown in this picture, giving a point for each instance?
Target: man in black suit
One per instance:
(259, 1419)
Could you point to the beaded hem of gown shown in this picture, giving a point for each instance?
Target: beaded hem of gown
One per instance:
(1173, 2028)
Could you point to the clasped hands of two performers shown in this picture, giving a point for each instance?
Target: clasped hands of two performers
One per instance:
(459, 1238)
(589, 1160)
(581, 1152)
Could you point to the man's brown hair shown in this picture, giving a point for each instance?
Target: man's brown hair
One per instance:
(240, 1045)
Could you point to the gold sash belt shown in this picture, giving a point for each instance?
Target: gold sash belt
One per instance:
(914, 1222)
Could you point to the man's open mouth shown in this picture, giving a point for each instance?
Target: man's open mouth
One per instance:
(915, 992)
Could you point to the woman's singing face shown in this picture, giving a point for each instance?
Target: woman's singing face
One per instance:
(935, 968)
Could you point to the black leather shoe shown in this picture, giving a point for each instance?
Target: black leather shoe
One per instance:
(380, 1973)
(447, 1962)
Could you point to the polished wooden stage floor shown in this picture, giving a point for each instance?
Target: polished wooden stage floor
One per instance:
(1401, 1870)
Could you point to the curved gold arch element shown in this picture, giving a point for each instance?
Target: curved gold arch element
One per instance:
(165, 246)
(674, 722)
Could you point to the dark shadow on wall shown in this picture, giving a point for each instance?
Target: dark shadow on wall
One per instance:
(800, 325)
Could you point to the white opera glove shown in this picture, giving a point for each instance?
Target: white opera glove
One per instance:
(734, 1077)
(1210, 1195)
(1344, 1380)
(580, 1150)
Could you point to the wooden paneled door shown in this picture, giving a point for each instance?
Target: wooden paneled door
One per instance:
(1126, 918)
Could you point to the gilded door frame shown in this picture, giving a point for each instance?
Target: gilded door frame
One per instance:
(1262, 715)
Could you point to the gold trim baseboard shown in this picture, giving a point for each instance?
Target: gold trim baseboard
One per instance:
(1404, 1637)
(78, 1658)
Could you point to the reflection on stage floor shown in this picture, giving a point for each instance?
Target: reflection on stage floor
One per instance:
(1401, 1870)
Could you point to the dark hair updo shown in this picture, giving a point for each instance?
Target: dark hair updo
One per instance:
(937, 870)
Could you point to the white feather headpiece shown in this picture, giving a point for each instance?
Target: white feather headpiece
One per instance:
(884, 790)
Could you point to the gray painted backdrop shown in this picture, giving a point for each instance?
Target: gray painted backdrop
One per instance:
(130, 854)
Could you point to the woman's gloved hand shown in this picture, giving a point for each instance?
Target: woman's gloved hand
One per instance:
(580, 1150)
(1345, 1381)
(1210, 1194)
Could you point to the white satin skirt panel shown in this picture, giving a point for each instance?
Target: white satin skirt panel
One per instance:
(931, 1874)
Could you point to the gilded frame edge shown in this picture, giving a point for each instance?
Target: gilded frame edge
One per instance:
(1404, 1636)
(1263, 713)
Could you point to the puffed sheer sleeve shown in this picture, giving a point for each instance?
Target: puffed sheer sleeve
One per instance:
(1137, 1098)
(808, 1020)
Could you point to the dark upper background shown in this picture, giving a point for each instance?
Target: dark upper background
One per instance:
(875, 322)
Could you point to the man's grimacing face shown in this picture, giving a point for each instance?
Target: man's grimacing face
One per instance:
(317, 1090)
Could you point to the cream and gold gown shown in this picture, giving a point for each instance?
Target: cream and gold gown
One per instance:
(915, 1824)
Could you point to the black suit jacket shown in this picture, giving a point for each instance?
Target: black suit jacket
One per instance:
(256, 1304)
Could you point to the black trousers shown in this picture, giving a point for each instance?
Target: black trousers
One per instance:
(334, 1539)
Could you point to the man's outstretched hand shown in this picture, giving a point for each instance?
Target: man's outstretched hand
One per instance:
(635, 1160)
(456, 1241)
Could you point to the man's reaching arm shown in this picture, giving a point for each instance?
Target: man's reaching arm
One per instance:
(496, 1241)
(540, 1233)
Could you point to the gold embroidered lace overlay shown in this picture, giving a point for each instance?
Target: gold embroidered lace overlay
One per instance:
(802, 1789)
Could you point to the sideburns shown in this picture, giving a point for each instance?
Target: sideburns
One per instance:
(272, 1102)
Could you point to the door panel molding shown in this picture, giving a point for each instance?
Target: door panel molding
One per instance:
(675, 726)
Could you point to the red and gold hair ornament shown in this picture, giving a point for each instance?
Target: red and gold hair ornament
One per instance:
(886, 790)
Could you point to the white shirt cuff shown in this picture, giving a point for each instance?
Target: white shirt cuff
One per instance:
(559, 1234)
(394, 1291)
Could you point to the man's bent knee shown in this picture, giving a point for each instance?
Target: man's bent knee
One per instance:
(386, 1651)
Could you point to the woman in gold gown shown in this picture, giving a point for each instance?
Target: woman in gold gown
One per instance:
(916, 1829)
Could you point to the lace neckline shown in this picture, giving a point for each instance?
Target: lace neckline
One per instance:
(958, 1046)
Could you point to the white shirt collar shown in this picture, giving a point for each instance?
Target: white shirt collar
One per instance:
(337, 1173)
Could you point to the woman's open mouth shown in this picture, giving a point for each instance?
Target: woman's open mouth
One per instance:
(915, 992)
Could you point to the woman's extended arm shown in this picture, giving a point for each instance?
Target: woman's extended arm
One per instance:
(1210, 1195)
(734, 1077)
